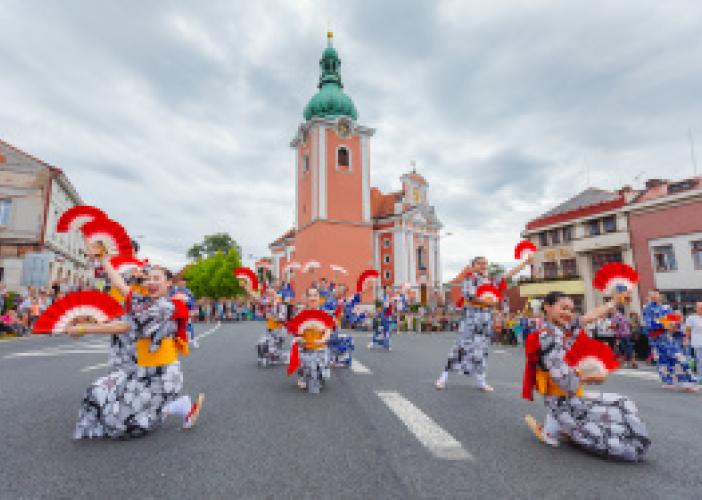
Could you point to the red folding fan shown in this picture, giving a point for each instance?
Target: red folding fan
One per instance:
(591, 356)
(367, 275)
(90, 303)
(112, 236)
(488, 292)
(123, 264)
(74, 218)
(615, 277)
(670, 319)
(524, 250)
(306, 320)
(248, 276)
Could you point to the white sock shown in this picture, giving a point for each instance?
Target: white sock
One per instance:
(482, 379)
(551, 429)
(443, 377)
(180, 406)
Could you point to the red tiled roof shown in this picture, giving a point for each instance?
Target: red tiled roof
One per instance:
(383, 205)
(290, 233)
(24, 153)
(604, 206)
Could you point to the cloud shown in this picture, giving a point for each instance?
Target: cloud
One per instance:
(176, 117)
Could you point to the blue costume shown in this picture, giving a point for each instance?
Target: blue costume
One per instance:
(340, 344)
(674, 365)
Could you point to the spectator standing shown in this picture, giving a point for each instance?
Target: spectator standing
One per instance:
(622, 337)
(693, 331)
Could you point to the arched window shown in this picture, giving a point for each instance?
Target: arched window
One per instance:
(343, 159)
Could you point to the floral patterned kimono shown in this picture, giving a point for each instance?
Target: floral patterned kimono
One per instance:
(604, 423)
(129, 401)
(469, 351)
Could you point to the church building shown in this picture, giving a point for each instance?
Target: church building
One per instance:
(342, 224)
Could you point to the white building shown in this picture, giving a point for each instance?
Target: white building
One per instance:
(33, 195)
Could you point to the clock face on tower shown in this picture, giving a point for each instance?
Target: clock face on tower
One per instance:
(343, 128)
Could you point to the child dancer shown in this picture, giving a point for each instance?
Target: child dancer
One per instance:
(674, 365)
(607, 424)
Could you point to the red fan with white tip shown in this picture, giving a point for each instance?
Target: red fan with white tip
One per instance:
(461, 302)
(615, 277)
(309, 265)
(309, 319)
(367, 275)
(111, 235)
(338, 269)
(593, 358)
(122, 264)
(524, 250)
(248, 276)
(488, 293)
(74, 218)
(92, 304)
(670, 319)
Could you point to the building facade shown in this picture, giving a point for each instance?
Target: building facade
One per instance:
(574, 240)
(666, 233)
(33, 195)
(341, 222)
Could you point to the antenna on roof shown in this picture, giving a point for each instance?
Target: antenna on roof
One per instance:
(692, 152)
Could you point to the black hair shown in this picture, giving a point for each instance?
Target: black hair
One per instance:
(476, 259)
(551, 298)
(167, 273)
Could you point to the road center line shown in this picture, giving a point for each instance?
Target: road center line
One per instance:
(440, 443)
(358, 367)
(208, 332)
(95, 367)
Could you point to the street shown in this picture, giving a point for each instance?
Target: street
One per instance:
(377, 430)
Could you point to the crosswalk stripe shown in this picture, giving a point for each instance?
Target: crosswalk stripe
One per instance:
(646, 375)
(440, 443)
(358, 367)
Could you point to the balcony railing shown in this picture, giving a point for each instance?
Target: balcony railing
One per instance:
(524, 280)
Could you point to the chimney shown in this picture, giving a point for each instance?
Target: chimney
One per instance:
(627, 193)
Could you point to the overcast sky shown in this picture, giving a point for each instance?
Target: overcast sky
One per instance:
(176, 117)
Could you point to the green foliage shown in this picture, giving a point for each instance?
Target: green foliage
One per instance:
(212, 277)
(211, 244)
(10, 300)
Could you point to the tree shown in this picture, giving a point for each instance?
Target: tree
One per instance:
(211, 244)
(212, 277)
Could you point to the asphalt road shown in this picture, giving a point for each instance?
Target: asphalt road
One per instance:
(378, 431)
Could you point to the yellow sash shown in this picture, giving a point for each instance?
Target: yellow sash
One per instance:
(273, 324)
(312, 339)
(165, 355)
(546, 386)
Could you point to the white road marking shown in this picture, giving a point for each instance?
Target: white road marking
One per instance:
(358, 367)
(208, 332)
(499, 351)
(642, 374)
(56, 352)
(440, 443)
(95, 367)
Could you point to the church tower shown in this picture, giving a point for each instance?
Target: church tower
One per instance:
(333, 222)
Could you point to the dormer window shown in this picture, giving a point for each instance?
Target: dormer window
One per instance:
(343, 159)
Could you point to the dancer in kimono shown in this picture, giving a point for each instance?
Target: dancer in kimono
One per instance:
(674, 363)
(130, 403)
(604, 423)
(470, 349)
(313, 345)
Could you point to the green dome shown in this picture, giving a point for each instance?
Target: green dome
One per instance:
(330, 101)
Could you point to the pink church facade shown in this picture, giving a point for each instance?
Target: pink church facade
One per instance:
(344, 226)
